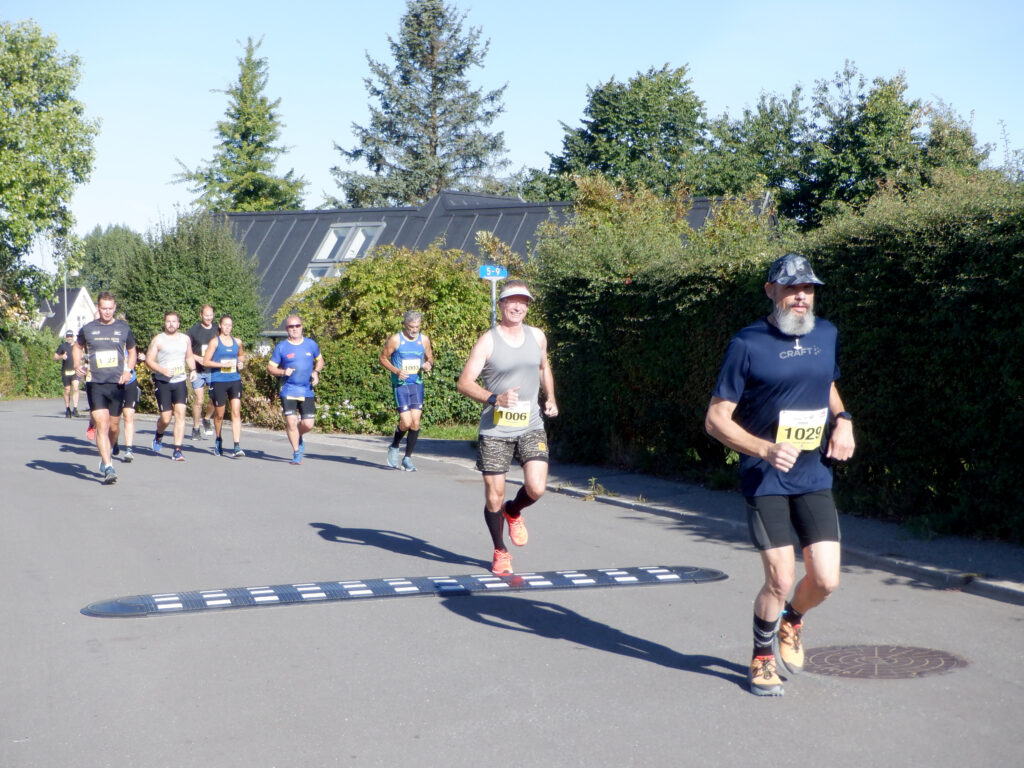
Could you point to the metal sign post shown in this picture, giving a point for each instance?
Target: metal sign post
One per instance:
(494, 273)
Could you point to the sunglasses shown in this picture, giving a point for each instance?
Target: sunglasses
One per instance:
(294, 326)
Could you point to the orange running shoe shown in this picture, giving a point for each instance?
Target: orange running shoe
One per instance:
(502, 563)
(762, 678)
(91, 433)
(516, 528)
(790, 646)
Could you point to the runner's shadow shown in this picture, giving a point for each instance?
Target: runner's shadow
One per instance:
(61, 468)
(350, 460)
(399, 543)
(556, 622)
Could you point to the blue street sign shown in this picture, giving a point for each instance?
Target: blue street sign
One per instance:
(493, 272)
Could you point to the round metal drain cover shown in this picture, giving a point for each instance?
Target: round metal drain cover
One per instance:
(883, 662)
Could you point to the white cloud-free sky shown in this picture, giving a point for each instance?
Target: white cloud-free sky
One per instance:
(152, 71)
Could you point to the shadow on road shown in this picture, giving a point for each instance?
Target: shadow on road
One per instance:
(62, 468)
(399, 543)
(382, 464)
(559, 623)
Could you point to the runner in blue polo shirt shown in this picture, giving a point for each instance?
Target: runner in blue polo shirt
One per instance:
(297, 360)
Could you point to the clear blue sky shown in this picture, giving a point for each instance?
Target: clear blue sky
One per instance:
(150, 71)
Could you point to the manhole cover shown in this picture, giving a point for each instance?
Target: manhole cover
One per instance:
(888, 662)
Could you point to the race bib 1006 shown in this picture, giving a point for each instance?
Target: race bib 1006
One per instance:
(517, 415)
(802, 429)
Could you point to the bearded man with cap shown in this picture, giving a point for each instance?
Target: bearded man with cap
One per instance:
(776, 404)
(511, 359)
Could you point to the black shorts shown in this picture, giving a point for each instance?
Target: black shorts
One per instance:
(131, 395)
(306, 409)
(67, 378)
(168, 394)
(105, 397)
(772, 519)
(226, 390)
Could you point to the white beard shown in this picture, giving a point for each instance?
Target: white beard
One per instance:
(792, 324)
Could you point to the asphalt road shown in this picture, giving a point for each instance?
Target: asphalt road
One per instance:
(624, 676)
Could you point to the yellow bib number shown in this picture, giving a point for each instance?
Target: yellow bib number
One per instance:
(228, 366)
(70, 373)
(177, 370)
(517, 415)
(801, 429)
(106, 358)
(410, 365)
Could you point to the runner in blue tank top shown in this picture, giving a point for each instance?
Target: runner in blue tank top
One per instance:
(776, 404)
(512, 359)
(224, 360)
(407, 355)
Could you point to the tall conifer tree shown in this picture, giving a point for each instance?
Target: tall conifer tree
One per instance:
(241, 175)
(427, 134)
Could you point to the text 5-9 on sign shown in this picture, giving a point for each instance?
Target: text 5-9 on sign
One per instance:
(493, 272)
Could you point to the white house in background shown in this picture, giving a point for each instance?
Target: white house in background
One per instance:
(81, 309)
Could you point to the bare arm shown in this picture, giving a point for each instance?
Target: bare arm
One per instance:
(385, 357)
(428, 353)
(478, 357)
(547, 378)
(841, 444)
(720, 425)
(131, 358)
(151, 353)
(208, 356)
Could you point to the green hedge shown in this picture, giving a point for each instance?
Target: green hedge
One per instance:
(926, 292)
(927, 296)
(27, 367)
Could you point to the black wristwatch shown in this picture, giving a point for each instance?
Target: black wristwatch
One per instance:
(844, 415)
(493, 399)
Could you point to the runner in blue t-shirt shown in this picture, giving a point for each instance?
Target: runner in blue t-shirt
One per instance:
(407, 355)
(776, 404)
(299, 362)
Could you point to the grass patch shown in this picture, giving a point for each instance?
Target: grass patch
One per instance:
(466, 432)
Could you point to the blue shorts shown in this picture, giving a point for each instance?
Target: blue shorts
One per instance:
(202, 380)
(409, 397)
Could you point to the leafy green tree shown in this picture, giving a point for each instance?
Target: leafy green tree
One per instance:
(104, 255)
(428, 132)
(194, 262)
(241, 175)
(863, 140)
(46, 150)
(642, 132)
(761, 148)
(351, 316)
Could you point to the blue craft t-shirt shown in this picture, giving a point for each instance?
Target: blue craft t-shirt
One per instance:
(766, 372)
(302, 357)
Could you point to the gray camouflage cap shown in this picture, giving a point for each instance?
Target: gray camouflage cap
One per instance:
(792, 269)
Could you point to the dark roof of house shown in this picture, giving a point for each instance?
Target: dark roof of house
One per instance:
(284, 242)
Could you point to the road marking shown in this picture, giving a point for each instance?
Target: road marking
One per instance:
(318, 591)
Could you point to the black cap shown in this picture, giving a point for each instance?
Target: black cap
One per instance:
(792, 269)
